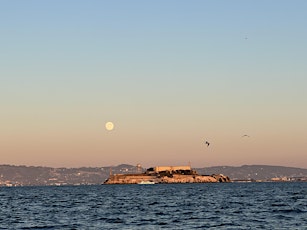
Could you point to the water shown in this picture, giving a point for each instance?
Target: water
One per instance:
(159, 206)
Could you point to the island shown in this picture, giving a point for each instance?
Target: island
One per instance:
(165, 175)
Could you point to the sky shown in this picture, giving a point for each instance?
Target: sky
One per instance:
(170, 75)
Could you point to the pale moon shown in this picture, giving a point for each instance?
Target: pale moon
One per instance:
(109, 126)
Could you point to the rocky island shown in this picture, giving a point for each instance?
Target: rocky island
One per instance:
(164, 175)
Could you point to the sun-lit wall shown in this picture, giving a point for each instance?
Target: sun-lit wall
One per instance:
(171, 168)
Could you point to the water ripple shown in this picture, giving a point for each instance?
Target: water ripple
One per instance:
(168, 206)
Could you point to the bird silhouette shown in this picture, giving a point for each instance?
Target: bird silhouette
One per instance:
(245, 135)
(207, 143)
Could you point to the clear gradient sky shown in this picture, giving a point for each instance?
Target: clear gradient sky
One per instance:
(169, 74)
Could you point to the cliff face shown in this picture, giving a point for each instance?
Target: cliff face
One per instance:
(130, 179)
(189, 179)
(137, 178)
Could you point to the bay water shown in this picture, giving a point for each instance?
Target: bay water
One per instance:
(158, 206)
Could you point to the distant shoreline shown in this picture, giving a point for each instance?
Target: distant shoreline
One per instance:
(36, 175)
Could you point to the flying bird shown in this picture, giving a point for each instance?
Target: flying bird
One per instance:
(245, 135)
(207, 143)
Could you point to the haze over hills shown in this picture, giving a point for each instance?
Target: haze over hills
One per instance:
(11, 175)
(255, 172)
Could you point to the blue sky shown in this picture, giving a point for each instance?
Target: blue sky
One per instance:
(167, 73)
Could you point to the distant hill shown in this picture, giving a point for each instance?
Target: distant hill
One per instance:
(11, 175)
(255, 172)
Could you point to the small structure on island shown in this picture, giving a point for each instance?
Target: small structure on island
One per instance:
(166, 174)
(139, 168)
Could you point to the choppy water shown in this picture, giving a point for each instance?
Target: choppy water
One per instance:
(160, 206)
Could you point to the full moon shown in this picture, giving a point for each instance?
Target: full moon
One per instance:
(109, 126)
